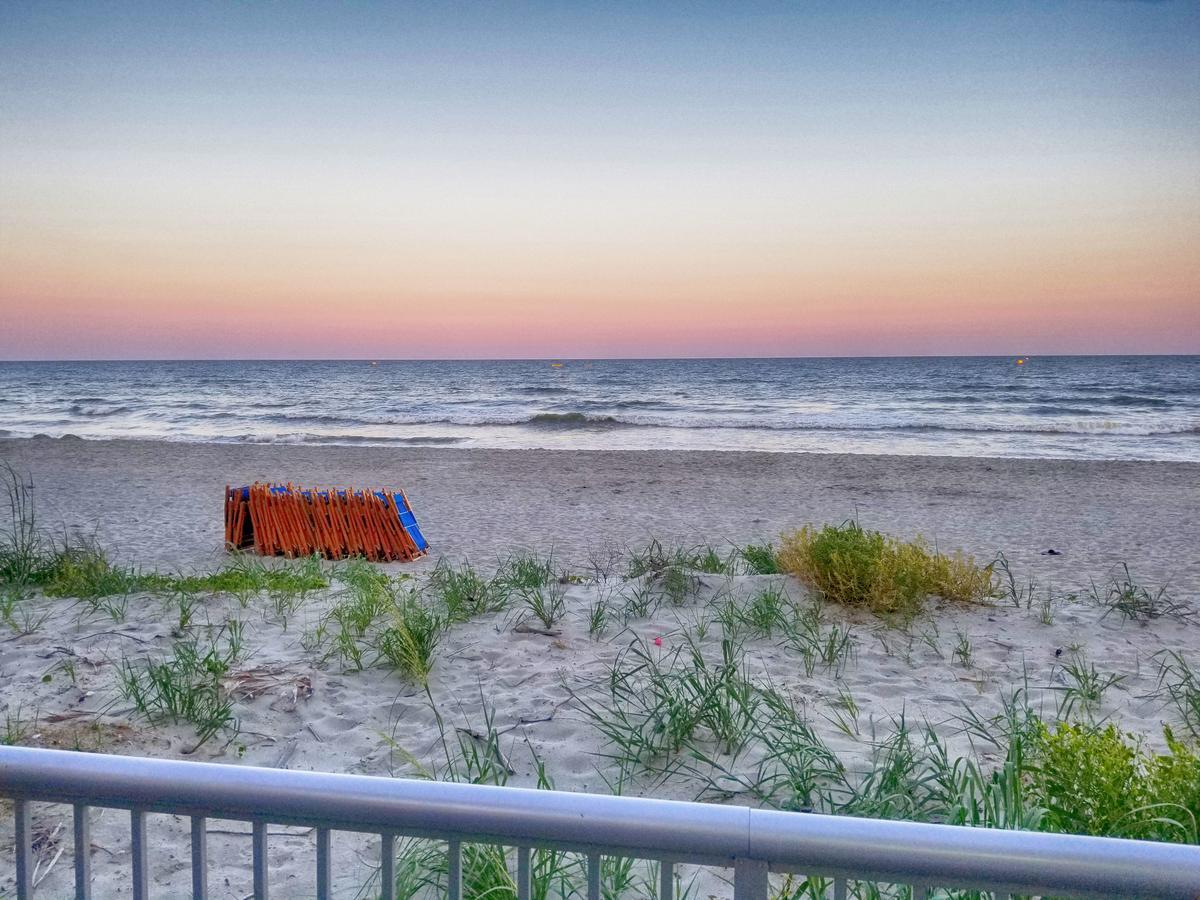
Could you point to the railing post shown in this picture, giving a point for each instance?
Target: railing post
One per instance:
(24, 850)
(593, 876)
(259, 839)
(83, 854)
(750, 879)
(387, 866)
(199, 858)
(523, 874)
(454, 870)
(324, 876)
(137, 844)
(666, 880)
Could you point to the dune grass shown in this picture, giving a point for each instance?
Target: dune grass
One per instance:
(547, 604)
(760, 559)
(478, 755)
(1182, 684)
(853, 566)
(380, 620)
(657, 557)
(684, 717)
(249, 574)
(658, 704)
(186, 686)
(16, 727)
(526, 570)
(408, 643)
(1134, 601)
(1083, 687)
(465, 593)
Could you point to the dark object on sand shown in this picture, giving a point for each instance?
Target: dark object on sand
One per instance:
(1051, 552)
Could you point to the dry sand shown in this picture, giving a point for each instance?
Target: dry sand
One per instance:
(160, 505)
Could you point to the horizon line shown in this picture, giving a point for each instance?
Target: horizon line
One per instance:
(395, 359)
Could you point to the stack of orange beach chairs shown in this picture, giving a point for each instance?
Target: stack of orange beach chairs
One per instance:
(283, 520)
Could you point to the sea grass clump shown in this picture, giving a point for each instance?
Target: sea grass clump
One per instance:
(853, 566)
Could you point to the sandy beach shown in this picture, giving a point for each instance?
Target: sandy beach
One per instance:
(158, 505)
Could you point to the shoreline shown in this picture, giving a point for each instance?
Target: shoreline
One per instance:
(460, 445)
(603, 439)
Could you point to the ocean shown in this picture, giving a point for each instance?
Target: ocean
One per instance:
(1136, 407)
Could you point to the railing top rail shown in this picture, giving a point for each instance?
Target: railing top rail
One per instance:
(1015, 861)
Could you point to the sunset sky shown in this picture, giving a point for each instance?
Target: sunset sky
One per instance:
(608, 179)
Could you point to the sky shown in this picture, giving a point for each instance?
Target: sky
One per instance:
(344, 180)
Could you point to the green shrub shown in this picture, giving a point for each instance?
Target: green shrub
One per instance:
(851, 565)
(1100, 782)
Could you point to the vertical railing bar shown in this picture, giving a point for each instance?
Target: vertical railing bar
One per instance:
(24, 829)
(137, 843)
(666, 880)
(454, 871)
(83, 853)
(324, 876)
(839, 889)
(387, 866)
(593, 876)
(750, 879)
(199, 858)
(523, 873)
(259, 839)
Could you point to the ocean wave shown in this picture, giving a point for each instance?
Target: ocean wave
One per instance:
(79, 409)
(310, 419)
(957, 398)
(345, 439)
(1052, 410)
(1079, 429)
(544, 389)
(1135, 400)
(574, 420)
(567, 420)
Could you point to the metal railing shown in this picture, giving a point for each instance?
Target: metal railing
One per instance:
(752, 842)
